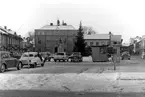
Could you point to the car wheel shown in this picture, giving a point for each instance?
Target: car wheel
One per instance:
(19, 66)
(55, 60)
(42, 64)
(34, 65)
(2, 68)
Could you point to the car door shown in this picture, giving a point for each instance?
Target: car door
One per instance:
(37, 59)
(14, 61)
(7, 59)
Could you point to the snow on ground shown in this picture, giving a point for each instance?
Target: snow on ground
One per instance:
(84, 82)
(58, 82)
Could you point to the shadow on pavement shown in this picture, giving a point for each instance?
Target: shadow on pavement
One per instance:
(45, 93)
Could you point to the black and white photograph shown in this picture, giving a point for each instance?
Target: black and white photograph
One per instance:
(72, 48)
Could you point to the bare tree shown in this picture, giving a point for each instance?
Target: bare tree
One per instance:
(31, 35)
(88, 30)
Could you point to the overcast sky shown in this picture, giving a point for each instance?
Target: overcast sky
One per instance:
(125, 17)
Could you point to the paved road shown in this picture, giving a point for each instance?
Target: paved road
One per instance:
(62, 67)
(31, 93)
(136, 64)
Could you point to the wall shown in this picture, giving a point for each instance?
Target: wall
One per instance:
(51, 38)
(100, 41)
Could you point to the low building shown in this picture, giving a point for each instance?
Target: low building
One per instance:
(97, 39)
(10, 41)
(102, 39)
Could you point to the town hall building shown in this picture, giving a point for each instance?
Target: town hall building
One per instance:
(55, 38)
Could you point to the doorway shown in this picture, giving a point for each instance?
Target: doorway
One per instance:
(55, 50)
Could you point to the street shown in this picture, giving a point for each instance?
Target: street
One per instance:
(62, 67)
(136, 64)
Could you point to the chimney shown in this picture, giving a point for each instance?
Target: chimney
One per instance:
(15, 33)
(5, 27)
(9, 30)
(51, 24)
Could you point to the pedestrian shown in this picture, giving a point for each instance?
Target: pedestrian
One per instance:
(39, 56)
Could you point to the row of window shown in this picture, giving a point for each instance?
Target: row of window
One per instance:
(56, 33)
(97, 43)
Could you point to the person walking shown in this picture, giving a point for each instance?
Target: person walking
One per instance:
(40, 56)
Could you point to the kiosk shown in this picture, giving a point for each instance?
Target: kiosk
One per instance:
(99, 53)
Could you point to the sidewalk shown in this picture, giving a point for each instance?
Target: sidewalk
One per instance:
(71, 82)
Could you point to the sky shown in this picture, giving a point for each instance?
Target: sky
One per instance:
(124, 17)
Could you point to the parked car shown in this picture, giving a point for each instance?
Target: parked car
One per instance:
(143, 55)
(15, 55)
(46, 56)
(62, 56)
(7, 61)
(32, 58)
(76, 57)
(125, 55)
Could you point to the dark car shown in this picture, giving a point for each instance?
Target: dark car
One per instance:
(76, 57)
(125, 55)
(7, 61)
(46, 56)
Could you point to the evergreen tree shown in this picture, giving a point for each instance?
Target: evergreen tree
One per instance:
(80, 42)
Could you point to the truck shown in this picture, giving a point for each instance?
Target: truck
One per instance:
(61, 56)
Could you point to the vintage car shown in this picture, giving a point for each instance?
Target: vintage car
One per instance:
(143, 55)
(76, 57)
(125, 55)
(32, 59)
(7, 61)
(61, 56)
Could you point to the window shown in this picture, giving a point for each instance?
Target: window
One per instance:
(114, 42)
(102, 43)
(5, 55)
(60, 53)
(30, 55)
(36, 56)
(25, 55)
(42, 33)
(102, 50)
(39, 41)
(97, 43)
(91, 43)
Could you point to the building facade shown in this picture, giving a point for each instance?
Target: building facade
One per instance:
(55, 38)
(97, 39)
(10, 41)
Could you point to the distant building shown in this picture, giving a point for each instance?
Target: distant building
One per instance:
(102, 39)
(97, 39)
(9, 40)
(116, 40)
(55, 38)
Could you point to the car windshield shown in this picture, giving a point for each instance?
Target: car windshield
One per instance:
(26, 55)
